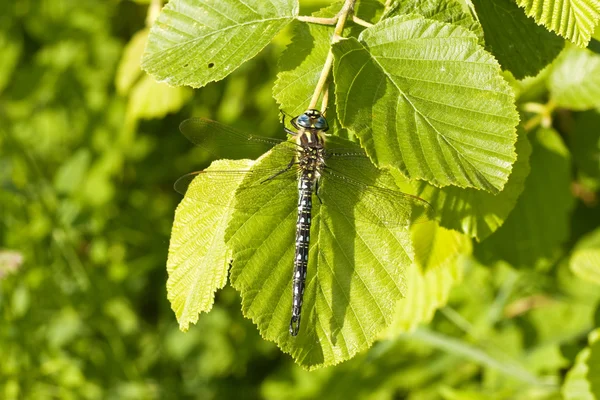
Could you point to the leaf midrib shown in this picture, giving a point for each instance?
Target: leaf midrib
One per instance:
(425, 118)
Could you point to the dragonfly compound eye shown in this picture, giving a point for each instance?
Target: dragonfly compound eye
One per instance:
(303, 121)
(321, 123)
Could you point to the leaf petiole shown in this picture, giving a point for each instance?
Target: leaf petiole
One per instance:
(543, 115)
(317, 20)
(361, 22)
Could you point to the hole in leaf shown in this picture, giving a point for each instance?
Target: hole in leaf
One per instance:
(210, 65)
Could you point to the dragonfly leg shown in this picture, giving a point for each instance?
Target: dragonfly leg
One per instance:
(317, 187)
(290, 165)
(294, 124)
(286, 129)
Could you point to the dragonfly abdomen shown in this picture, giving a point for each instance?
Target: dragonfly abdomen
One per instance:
(305, 190)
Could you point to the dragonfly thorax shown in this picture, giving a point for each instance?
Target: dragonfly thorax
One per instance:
(310, 136)
(311, 161)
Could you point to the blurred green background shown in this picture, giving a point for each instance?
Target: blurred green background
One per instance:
(89, 150)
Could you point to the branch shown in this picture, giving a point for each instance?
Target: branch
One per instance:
(337, 34)
(153, 11)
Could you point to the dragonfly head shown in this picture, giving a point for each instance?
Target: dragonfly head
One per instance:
(312, 119)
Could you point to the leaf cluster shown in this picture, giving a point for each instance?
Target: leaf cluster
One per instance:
(498, 298)
(425, 89)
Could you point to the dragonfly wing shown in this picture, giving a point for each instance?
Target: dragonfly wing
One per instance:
(346, 153)
(211, 178)
(259, 188)
(355, 199)
(212, 136)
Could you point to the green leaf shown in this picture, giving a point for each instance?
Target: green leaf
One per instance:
(520, 45)
(572, 19)
(450, 11)
(194, 42)
(585, 261)
(151, 99)
(355, 271)
(300, 66)
(575, 80)
(425, 98)
(437, 267)
(583, 380)
(474, 212)
(198, 257)
(147, 98)
(539, 223)
(70, 176)
(129, 70)
(367, 10)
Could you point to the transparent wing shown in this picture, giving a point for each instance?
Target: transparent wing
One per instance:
(271, 191)
(269, 186)
(346, 153)
(341, 149)
(357, 200)
(265, 189)
(219, 177)
(355, 188)
(211, 136)
(272, 185)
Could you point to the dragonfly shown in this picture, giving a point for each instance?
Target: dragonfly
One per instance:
(302, 163)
